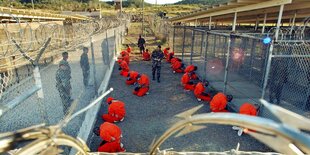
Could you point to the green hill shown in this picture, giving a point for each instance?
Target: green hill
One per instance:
(202, 2)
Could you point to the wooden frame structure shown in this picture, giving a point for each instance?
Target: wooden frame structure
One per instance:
(235, 12)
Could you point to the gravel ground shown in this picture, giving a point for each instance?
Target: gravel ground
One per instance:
(149, 116)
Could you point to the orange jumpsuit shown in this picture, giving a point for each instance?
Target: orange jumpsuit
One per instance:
(166, 52)
(110, 132)
(116, 112)
(124, 56)
(173, 60)
(128, 50)
(199, 92)
(111, 135)
(190, 69)
(186, 79)
(177, 67)
(248, 109)
(125, 68)
(111, 147)
(132, 78)
(170, 56)
(218, 103)
(144, 84)
(146, 56)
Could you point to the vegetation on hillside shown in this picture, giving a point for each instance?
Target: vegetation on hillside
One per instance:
(202, 2)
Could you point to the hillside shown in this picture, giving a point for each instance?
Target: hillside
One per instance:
(202, 2)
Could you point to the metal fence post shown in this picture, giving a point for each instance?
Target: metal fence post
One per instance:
(192, 47)
(227, 64)
(115, 41)
(183, 46)
(267, 70)
(214, 45)
(205, 57)
(93, 64)
(201, 45)
(173, 39)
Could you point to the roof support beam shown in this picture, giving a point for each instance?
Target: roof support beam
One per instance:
(293, 23)
(234, 22)
(264, 25)
(279, 21)
(210, 20)
(207, 13)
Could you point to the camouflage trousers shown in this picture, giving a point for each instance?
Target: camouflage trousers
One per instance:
(65, 95)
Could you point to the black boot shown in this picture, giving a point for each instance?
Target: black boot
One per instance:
(158, 80)
(153, 78)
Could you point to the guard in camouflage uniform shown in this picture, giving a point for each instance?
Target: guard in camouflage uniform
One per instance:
(157, 57)
(63, 85)
(85, 66)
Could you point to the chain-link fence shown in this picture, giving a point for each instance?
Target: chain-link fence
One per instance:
(37, 85)
(237, 64)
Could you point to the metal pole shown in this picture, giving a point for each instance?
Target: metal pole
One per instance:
(183, 43)
(202, 36)
(293, 23)
(32, 4)
(100, 10)
(143, 18)
(93, 64)
(279, 21)
(205, 57)
(192, 47)
(256, 23)
(173, 40)
(234, 22)
(264, 25)
(214, 45)
(210, 20)
(226, 66)
(267, 70)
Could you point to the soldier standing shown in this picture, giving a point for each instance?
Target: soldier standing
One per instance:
(141, 44)
(84, 63)
(63, 85)
(157, 56)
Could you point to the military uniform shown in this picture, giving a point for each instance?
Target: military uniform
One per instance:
(157, 57)
(85, 68)
(63, 85)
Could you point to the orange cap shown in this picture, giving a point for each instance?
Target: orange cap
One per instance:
(110, 99)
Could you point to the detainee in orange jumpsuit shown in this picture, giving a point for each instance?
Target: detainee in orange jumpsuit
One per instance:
(177, 67)
(191, 69)
(199, 91)
(143, 85)
(124, 68)
(132, 77)
(166, 52)
(124, 56)
(246, 109)
(129, 49)
(111, 137)
(187, 82)
(146, 55)
(116, 111)
(170, 56)
(219, 102)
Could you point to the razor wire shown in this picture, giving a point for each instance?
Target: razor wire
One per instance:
(20, 54)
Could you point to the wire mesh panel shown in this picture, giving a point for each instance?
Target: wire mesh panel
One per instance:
(68, 83)
(198, 47)
(242, 74)
(216, 57)
(178, 41)
(187, 46)
(289, 77)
